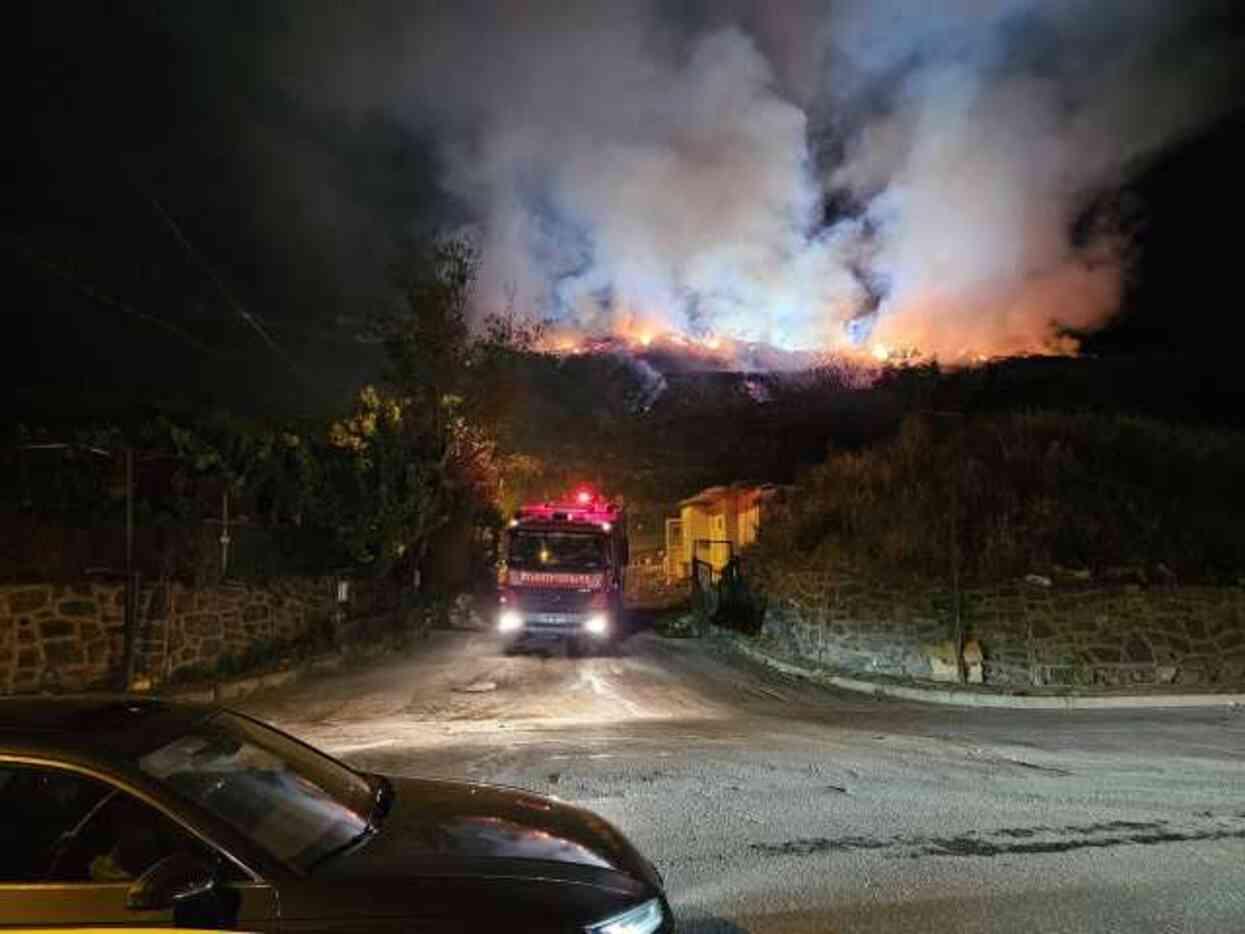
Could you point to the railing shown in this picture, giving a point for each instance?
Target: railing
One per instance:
(706, 597)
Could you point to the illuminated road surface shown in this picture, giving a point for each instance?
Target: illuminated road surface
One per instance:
(772, 805)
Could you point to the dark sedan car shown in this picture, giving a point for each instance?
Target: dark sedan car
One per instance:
(138, 812)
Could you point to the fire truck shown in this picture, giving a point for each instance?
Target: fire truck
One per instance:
(563, 572)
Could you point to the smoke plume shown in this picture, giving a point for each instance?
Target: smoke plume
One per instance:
(888, 174)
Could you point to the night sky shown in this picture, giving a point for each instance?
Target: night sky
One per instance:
(188, 221)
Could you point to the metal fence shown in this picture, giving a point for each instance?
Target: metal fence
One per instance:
(724, 597)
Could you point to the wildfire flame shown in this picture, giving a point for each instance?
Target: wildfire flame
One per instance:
(643, 335)
(564, 344)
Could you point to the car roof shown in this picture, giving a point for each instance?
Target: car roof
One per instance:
(112, 727)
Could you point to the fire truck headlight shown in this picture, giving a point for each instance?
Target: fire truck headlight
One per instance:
(509, 621)
(598, 624)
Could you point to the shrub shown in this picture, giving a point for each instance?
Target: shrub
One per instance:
(995, 497)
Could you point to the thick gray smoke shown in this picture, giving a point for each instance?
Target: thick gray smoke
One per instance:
(632, 170)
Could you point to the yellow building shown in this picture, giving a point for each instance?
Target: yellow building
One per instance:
(713, 525)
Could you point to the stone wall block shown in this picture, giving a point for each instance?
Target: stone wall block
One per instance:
(57, 629)
(254, 612)
(28, 599)
(201, 625)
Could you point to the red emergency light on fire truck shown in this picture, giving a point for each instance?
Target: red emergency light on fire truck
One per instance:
(585, 508)
(563, 571)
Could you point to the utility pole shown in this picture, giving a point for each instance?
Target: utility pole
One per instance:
(225, 538)
(957, 620)
(955, 566)
(224, 533)
(131, 584)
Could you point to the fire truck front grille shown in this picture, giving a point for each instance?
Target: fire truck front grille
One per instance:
(539, 600)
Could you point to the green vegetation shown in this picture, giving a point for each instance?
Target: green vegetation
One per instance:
(682, 624)
(994, 497)
(370, 492)
(460, 425)
(266, 654)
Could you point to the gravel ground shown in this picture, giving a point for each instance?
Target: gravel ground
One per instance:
(770, 804)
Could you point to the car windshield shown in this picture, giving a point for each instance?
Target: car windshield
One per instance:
(557, 551)
(296, 803)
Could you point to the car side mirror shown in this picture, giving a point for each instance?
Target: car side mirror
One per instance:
(169, 881)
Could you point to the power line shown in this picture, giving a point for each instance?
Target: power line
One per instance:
(103, 298)
(216, 280)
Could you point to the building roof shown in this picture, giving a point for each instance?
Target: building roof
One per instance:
(711, 496)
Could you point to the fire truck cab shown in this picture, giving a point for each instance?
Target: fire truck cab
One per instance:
(563, 573)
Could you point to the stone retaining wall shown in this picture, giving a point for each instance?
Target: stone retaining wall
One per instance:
(72, 637)
(1078, 635)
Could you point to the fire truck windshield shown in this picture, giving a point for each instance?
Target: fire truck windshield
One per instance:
(557, 551)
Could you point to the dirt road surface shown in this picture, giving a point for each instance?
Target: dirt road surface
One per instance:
(774, 805)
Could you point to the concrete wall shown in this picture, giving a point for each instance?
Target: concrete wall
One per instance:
(72, 636)
(1064, 634)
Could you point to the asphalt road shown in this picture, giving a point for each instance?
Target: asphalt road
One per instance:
(775, 805)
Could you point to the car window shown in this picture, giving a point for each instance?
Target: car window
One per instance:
(39, 807)
(119, 841)
(297, 804)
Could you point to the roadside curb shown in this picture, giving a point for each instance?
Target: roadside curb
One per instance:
(955, 697)
(242, 687)
(237, 688)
